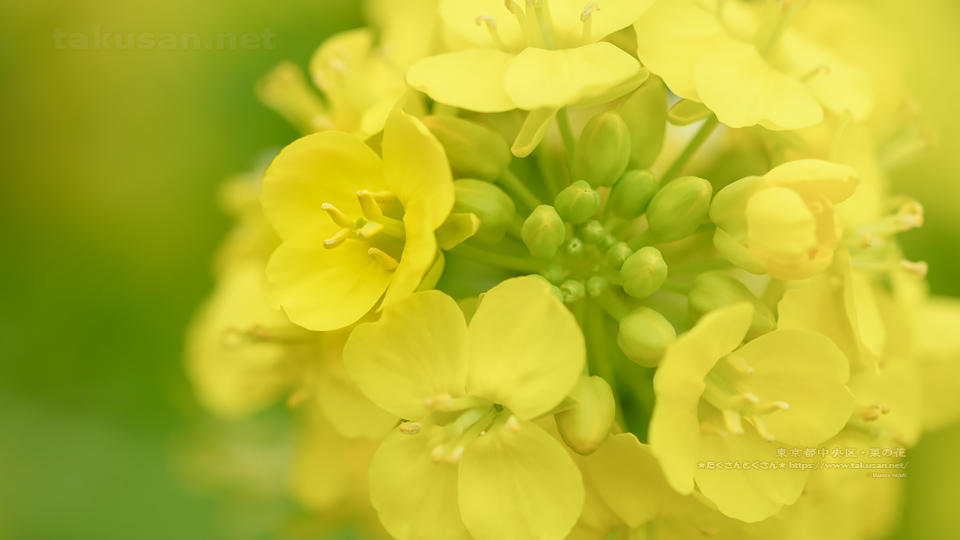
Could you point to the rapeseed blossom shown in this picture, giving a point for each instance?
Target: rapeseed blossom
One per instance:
(617, 327)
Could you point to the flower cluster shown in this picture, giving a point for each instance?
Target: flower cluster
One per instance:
(534, 263)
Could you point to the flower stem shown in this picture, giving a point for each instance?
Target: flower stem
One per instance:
(518, 189)
(566, 133)
(679, 288)
(701, 266)
(510, 262)
(695, 143)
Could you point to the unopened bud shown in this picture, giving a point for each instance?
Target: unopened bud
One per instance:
(643, 272)
(489, 203)
(554, 273)
(632, 193)
(644, 336)
(618, 254)
(572, 290)
(543, 232)
(679, 208)
(714, 290)
(645, 113)
(593, 233)
(603, 150)
(577, 203)
(586, 425)
(474, 150)
(574, 249)
(596, 285)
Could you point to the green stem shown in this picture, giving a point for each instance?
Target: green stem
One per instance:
(566, 133)
(552, 181)
(679, 288)
(597, 354)
(701, 266)
(695, 143)
(646, 238)
(510, 262)
(612, 304)
(518, 189)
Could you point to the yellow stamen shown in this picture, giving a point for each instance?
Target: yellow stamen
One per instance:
(732, 420)
(368, 203)
(410, 428)
(709, 429)
(338, 238)
(492, 28)
(739, 364)
(296, 399)
(386, 261)
(761, 427)
(513, 424)
(740, 401)
(337, 216)
(773, 407)
(439, 401)
(369, 229)
(917, 269)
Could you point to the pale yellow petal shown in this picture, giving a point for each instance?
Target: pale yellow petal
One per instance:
(472, 79)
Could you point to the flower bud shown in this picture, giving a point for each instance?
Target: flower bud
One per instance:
(618, 254)
(679, 208)
(714, 290)
(489, 203)
(573, 249)
(593, 233)
(643, 272)
(596, 285)
(586, 425)
(572, 290)
(644, 336)
(645, 114)
(543, 232)
(603, 151)
(632, 193)
(577, 203)
(474, 150)
(554, 273)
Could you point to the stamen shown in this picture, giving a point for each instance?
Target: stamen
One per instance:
(867, 241)
(384, 196)
(587, 20)
(439, 401)
(761, 427)
(709, 429)
(513, 424)
(369, 229)
(732, 420)
(368, 203)
(386, 261)
(337, 216)
(437, 453)
(741, 401)
(296, 399)
(492, 28)
(911, 215)
(772, 407)
(739, 364)
(338, 238)
(454, 456)
(917, 269)
(410, 428)
(588, 11)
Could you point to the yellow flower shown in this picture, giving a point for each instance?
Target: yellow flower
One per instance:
(783, 223)
(748, 65)
(470, 461)
(333, 266)
(717, 402)
(533, 54)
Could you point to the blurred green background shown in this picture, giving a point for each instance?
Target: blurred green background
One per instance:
(108, 219)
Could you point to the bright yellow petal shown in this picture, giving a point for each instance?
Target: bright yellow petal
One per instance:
(674, 428)
(814, 176)
(539, 78)
(415, 498)
(780, 227)
(419, 254)
(672, 37)
(519, 484)
(628, 478)
(527, 350)
(747, 495)
(809, 373)
(737, 84)
(471, 79)
(324, 289)
(328, 167)
(417, 350)
(416, 168)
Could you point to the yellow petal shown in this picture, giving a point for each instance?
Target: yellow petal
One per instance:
(324, 289)
(414, 497)
(461, 17)
(519, 484)
(780, 227)
(674, 428)
(328, 167)
(527, 350)
(417, 350)
(613, 15)
(628, 478)
(814, 176)
(672, 37)
(534, 128)
(809, 373)
(897, 387)
(539, 78)
(743, 90)
(419, 254)
(471, 79)
(416, 168)
(747, 495)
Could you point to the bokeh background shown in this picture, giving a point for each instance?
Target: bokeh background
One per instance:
(108, 218)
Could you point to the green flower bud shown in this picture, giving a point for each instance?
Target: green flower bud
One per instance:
(554, 290)
(679, 208)
(489, 203)
(577, 203)
(603, 152)
(618, 254)
(714, 290)
(643, 272)
(554, 273)
(596, 285)
(543, 232)
(474, 150)
(645, 113)
(632, 193)
(574, 248)
(644, 336)
(586, 425)
(608, 242)
(572, 290)
(593, 233)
